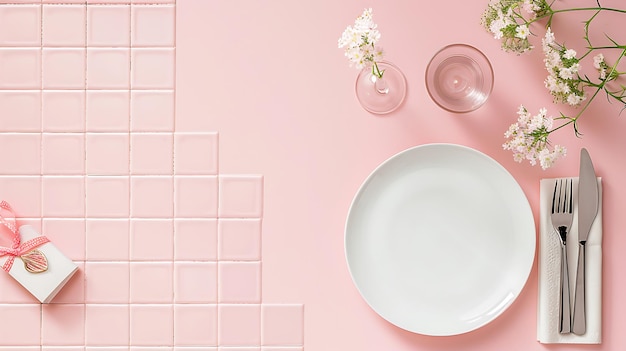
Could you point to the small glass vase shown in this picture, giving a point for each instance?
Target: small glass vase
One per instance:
(381, 95)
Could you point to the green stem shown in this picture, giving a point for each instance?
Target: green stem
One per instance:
(589, 9)
(376, 71)
(552, 12)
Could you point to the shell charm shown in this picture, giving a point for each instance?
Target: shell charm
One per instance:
(35, 261)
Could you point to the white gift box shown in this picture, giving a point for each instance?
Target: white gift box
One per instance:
(46, 284)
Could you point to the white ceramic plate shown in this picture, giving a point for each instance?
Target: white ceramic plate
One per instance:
(440, 239)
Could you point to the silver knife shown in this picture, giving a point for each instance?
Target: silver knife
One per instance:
(587, 210)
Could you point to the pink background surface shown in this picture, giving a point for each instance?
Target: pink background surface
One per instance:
(223, 140)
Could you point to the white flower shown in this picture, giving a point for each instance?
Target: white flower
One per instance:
(598, 60)
(551, 83)
(522, 31)
(569, 54)
(574, 99)
(552, 60)
(548, 39)
(496, 28)
(547, 158)
(566, 73)
(530, 7)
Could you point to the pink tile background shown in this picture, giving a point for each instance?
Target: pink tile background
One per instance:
(168, 247)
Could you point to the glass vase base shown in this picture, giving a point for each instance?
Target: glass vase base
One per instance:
(381, 95)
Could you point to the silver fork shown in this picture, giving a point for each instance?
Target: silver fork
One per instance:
(562, 222)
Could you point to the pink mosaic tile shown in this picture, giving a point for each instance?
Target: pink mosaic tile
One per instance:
(241, 196)
(20, 315)
(107, 111)
(28, 160)
(151, 197)
(20, 68)
(151, 325)
(239, 239)
(110, 348)
(63, 324)
(152, 111)
(20, 1)
(151, 282)
(63, 196)
(112, 318)
(63, 153)
(23, 193)
(195, 196)
(239, 325)
(195, 325)
(151, 239)
(153, 26)
(67, 234)
(195, 282)
(21, 111)
(239, 282)
(195, 153)
(153, 1)
(151, 153)
(107, 196)
(107, 68)
(64, 2)
(20, 25)
(107, 154)
(62, 111)
(153, 68)
(107, 239)
(107, 282)
(108, 26)
(108, 2)
(64, 25)
(195, 239)
(63, 68)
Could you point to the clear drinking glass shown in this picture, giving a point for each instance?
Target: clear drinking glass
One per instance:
(459, 78)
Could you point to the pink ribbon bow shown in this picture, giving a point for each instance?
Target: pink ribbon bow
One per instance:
(18, 248)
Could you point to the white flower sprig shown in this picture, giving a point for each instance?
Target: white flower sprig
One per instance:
(528, 139)
(510, 21)
(562, 65)
(360, 43)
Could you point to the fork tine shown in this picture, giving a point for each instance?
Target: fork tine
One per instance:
(571, 196)
(563, 196)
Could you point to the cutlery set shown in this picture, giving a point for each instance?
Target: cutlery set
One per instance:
(572, 319)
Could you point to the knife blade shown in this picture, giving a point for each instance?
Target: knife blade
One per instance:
(587, 212)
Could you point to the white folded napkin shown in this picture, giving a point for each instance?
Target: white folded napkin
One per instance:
(550, 270)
